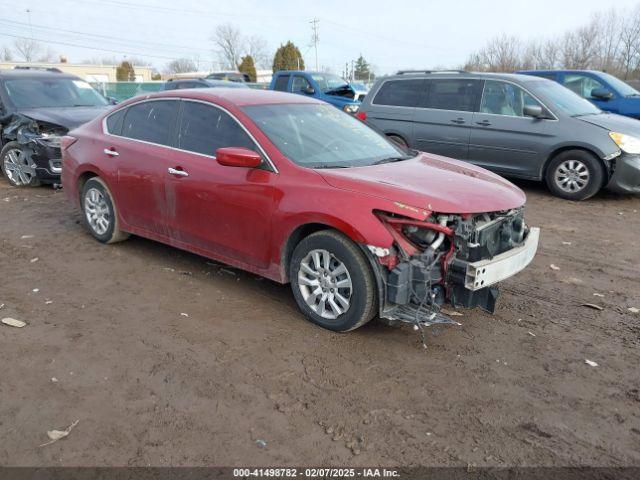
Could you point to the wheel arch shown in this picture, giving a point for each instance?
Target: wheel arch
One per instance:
(566, 148)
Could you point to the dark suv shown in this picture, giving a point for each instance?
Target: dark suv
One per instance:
(516, 125)
(37, 108)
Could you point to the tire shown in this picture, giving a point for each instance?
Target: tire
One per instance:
(399, 140)
(17, 166)
(99, 213)
(575, 175)
(336, 249)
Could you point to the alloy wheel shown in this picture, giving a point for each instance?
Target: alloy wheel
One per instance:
(572, 176)
(325, 284)
(97, 211)
(19, 167)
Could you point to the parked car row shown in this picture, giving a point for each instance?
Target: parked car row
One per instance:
(516, 125)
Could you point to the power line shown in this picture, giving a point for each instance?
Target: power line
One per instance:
(68, 44)
(123, 41)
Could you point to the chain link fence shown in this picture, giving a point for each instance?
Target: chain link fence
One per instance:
(125, 90)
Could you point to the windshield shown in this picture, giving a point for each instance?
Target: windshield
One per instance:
(564, 99)
(329, 81)
(52, 92)
(621, 87)
(321, 136)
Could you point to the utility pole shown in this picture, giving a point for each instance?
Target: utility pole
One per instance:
(30, 27)
(315, 38)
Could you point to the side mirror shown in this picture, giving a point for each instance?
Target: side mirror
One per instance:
(238, 157)
(601, 94)
(112, 101)
(534, 111)
(308, 90)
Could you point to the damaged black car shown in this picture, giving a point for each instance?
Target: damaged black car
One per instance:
(37, 108)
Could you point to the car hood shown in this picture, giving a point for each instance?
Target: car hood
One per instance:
(431, 182)
(614, 123)
(68, 117)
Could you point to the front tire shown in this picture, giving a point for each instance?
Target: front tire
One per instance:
(575, 175)
(332, 281)
(18, 166)
(99, 212)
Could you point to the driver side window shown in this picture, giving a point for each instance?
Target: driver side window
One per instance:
(204, 129)
(501, 98)
(299, 84)
(581, 84)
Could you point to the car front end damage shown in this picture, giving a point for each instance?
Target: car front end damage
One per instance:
(449, 259)
(40, 142)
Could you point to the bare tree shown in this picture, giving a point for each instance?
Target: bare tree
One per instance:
(630, 44)
(180, 65)
(27, 48)
(6, 54)
(609, 25)
(256, 47)
(229, 42)
(48, 56)
(501, 54)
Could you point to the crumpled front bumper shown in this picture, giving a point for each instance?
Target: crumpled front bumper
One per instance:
(48, 160)
(626, 174)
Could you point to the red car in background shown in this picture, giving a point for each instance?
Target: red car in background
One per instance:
(297, 191)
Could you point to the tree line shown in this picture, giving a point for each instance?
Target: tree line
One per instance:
(610, 42)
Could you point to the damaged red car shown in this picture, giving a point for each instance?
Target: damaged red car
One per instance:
(297, 191)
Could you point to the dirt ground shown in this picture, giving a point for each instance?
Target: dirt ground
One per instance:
(165, 359)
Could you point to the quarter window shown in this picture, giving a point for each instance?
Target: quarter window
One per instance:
(581, 84)
(453, 94)
(151, 121)
(281, 83)
(400, 93)
(204, 129)
(501, 98)
(114, 122)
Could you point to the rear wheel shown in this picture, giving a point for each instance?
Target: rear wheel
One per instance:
(575, 175)
(18, 166)
(332, 282)
(99, 212)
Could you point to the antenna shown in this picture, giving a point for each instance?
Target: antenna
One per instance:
(315, 38)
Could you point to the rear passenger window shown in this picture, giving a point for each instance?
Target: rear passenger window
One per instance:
(400, 93)
(114, 122)
(281, 83)
(454, 94)
(204, 129)
(151, 121)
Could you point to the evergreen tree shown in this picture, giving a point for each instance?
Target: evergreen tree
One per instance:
(125, 72)
(362, 70)
(288, 57)
(248, 67)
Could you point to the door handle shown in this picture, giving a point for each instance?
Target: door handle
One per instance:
(110, 152)
(180, 173)
(484, 123)
(458, 121)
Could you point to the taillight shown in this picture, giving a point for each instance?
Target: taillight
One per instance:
(67, 141)
(361, 115)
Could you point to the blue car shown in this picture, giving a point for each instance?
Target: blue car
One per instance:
(602, 89)
(323, 86)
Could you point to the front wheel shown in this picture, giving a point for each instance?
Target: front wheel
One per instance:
(332, 281)
(18, 166)
(575, 175)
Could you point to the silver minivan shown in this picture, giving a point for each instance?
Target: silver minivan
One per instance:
(515, 125)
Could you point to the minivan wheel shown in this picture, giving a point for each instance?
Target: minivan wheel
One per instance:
(332, 282)
(18, 166)
(99, 212)
(575, 175)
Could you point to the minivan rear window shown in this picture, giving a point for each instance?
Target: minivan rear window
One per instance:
(400, 93)
(458, 94)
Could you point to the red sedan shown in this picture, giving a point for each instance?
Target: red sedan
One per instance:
(297, 191)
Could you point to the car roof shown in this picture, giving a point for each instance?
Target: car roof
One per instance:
(450, 75)
(240, 97)
(26, 73)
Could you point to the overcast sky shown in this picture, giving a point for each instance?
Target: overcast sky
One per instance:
(389, 34)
